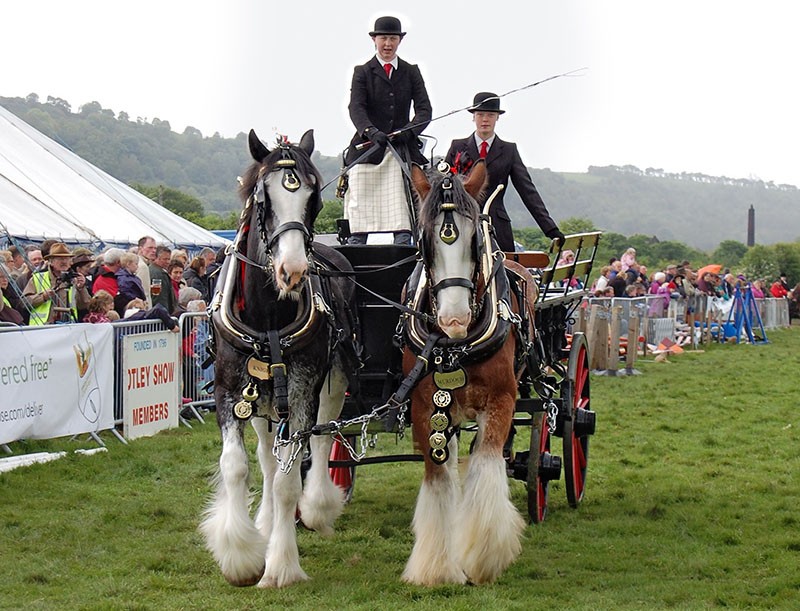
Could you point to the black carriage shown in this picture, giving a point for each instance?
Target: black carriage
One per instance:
(553, 401)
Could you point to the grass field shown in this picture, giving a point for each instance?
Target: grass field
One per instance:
(692, 502)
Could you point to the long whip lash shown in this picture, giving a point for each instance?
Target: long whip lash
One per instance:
(364, 145)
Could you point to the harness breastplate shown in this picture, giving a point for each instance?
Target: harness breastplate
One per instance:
(311, 314)
(485, 336)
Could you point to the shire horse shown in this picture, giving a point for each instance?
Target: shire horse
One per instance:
(282, 330)
(470, 357)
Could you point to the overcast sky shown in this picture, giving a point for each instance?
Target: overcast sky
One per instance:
(706, 86)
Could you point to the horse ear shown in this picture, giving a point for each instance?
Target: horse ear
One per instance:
(258, 151)
(476, 181)
(307, 142)
(420, 181)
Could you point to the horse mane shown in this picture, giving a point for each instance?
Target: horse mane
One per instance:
(465, 204)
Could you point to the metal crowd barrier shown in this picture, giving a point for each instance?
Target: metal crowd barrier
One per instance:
(196, 381)
(658, 321)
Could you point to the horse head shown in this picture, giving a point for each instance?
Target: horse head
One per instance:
(451, 242)
(282, 194)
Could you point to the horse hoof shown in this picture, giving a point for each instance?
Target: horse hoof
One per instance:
(243, 582)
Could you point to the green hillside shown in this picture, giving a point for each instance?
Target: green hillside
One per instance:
(697, 210)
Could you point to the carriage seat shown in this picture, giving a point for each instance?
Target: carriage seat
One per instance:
(532, 259)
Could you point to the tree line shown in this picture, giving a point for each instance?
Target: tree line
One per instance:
(667, 217)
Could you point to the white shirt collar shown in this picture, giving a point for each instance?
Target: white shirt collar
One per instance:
(383, 63)
(478, 140)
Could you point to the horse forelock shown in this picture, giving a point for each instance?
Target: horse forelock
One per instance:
(306, 172)
(465, 205)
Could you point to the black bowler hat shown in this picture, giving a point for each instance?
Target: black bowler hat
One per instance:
(486, 101)
(387, 25)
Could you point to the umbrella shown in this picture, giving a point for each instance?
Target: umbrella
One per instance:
(713, 268)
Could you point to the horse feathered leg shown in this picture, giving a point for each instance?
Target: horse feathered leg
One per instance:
(230, 534)
(268, 465)
(283, 558)
(322, 501)
(490, 525)
(434, 558)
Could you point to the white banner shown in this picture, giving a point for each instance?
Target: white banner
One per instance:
(151, 383)
(56, 380)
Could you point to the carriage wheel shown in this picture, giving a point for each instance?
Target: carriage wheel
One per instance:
(343, 477)
(578, 420)
(542, 467)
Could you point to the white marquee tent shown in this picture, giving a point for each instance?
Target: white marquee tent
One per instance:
(46, 191)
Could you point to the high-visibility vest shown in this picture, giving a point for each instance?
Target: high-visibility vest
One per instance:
(40, 314)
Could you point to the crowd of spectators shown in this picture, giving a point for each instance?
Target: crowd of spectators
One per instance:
(48, 283)
(626, 277)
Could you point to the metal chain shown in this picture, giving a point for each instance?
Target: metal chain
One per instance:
(552, 415)
(296, 441)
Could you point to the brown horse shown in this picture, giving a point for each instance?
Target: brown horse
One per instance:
(470, 359)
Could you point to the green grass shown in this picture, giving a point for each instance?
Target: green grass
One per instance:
(692, 502)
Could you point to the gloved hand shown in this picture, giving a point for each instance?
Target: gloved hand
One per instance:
(555, 234)
(409, 138)
(376, 136)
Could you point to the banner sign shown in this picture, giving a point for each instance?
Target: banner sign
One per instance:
(151, 383)
(56, 381)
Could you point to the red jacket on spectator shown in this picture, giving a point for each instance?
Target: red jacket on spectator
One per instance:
(778, 290)
(106, 281)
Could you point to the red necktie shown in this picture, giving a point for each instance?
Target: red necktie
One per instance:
(484, 149)
(388, 68)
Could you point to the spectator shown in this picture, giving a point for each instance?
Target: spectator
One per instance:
(628, 258)
(82, 260)
(794, 302)
(602, 282)
(200, 345)
(160, 282)
(179, 255)
(780, 288)
(106, 279)
(381, 95)
(618, 283)
(35, 263)
(503, 164)
(212, 271)
(9, 312)
(177, 282)
(195, 276)
(17, 266)
(56, 293)
(129, 285)
(186, 295)
(137, 309)
(659, 287)
(146, 250)
(207, 255)
(100, 305)
(758, 288)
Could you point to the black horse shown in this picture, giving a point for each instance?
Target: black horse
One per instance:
(284, 352)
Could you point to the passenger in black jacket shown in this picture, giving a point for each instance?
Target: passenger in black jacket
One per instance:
(503, 162)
